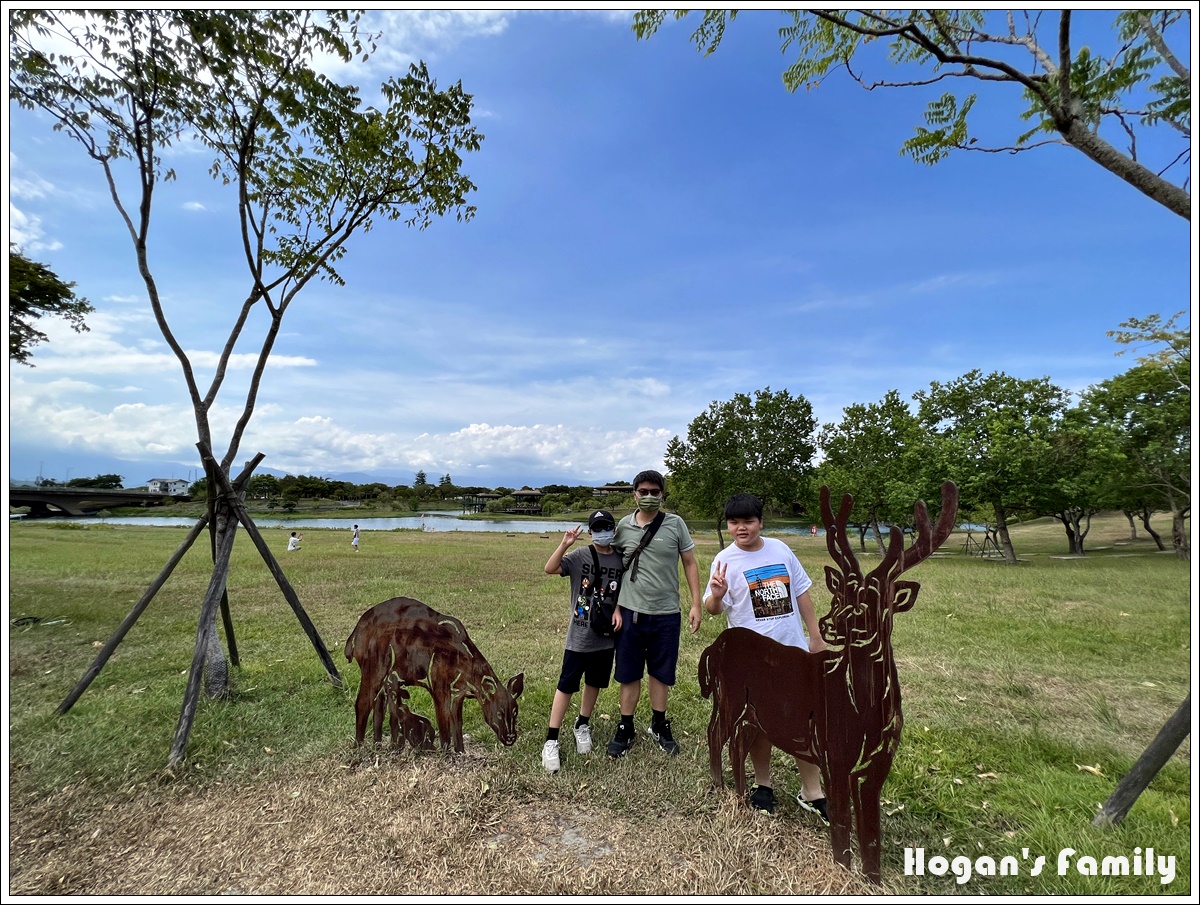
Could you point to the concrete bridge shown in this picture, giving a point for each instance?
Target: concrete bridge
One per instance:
(44, 502)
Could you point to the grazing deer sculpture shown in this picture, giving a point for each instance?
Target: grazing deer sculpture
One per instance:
(404, 642)
(840, 708)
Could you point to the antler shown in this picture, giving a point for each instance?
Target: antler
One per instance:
(929, 540)
(835, 535)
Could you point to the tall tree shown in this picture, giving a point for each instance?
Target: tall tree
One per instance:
(874, 453)
(310, 167)
(1085, 475)
(34, 292)
(762, 446)
(1098, 101)
(991, 435)
(1151, 412)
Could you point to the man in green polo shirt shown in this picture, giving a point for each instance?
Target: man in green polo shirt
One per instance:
(650, 610)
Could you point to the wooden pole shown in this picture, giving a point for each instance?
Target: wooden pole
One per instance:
(1134, 783)
(289, 594)
(264, 550)
(208, 610)
(123, 629)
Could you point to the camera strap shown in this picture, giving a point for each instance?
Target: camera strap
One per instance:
(631, 562)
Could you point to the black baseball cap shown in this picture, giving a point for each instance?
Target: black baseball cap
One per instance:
(601, 518)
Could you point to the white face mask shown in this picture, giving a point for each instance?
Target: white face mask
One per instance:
(604, 538)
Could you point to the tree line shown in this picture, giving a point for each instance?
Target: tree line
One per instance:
(1016, 447)
(287, 492)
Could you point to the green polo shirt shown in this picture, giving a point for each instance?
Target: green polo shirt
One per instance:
(656, 590)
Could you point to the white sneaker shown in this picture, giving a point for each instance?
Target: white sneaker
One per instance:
(583, 739)
(550, 756)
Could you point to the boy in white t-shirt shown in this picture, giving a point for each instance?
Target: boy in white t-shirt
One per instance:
(758, 583)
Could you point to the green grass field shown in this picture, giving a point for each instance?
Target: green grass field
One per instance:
(1028, 692)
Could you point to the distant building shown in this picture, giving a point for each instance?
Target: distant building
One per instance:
(173, 486)
(477, 502)
(614, 488)
(528, 501)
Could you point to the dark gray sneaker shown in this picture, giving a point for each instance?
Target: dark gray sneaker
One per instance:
(663, 736)
(620, 745)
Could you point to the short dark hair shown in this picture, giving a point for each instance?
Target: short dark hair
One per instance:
(650, 476)
(744, 505)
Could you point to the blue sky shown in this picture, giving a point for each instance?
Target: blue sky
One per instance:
(657, 230)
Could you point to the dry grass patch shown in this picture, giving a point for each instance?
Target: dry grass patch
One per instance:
(399, 824)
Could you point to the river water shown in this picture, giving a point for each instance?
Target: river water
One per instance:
(413, 522)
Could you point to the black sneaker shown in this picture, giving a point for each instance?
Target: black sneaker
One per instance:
(763, 799)
(663, 736)
(816, 806)
(620, 745)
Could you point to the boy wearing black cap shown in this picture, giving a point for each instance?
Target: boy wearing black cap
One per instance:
(588, 655)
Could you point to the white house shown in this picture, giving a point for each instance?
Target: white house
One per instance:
(172, 486)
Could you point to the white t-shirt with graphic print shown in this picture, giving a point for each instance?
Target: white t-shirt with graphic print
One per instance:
(763, 587)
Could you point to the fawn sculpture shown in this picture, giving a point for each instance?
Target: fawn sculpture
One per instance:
(404, 642)
(840, 708)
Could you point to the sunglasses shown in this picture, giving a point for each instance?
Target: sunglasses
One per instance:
(649, 491)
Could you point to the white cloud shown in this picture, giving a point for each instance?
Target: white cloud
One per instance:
(471, 454)
(194, 206)
(944, 282)
(405, 36)
(27, 187)
(25, 231)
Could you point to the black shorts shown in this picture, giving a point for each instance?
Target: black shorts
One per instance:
(648, 642)
(594, 667)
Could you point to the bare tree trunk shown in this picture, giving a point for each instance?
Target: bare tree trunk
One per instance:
(720, 538)
(1005, 543)
(1179, 535)
(1165, 744)
(1072, 538)
(216, 680)
(1082, 527)
(1154, 534)
(205, 627)
(878, 534)
(1132, 524)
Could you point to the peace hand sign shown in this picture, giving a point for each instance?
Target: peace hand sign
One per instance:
(718, 586)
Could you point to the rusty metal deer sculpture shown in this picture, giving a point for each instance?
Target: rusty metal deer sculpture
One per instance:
(404, 642)
(839, 708)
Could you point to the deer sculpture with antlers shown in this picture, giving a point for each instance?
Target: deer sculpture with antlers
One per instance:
(839, 708)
